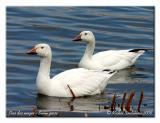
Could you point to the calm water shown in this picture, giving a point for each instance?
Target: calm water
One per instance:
(114, 28)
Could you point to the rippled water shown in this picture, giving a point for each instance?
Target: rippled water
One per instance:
(114, 28)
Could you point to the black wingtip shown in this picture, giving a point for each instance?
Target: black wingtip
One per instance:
(137, 50)
(107, 70)
(112, 72)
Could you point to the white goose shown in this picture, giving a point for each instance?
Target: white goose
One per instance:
(71, 83)
(112, 59)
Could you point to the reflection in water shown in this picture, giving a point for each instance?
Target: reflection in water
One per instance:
(91, 103)
(126, 76)
(123, 76)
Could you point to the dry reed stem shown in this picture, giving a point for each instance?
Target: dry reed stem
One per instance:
(113, 105)
(123, 101)
(128, 104)
(140, 101)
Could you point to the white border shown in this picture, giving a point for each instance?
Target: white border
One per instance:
(5, 3)
(2, 61)
(78, 2)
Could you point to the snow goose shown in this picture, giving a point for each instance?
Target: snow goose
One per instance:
(71, 83)
(111, 59)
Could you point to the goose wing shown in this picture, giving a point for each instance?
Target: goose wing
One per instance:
(114, 59)
(82, 81)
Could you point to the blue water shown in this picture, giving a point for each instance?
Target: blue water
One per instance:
(114, 28)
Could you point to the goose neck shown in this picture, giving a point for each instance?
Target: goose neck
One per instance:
(89, 50)
(45, 65)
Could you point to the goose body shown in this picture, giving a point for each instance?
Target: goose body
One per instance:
(111, 59)
(70, 83)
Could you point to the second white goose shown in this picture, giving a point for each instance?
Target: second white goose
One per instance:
(111, 59)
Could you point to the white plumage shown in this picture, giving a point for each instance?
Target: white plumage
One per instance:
(112, 59)
(74, 82)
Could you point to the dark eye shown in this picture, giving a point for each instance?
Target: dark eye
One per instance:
(85, 33)
(42, 47)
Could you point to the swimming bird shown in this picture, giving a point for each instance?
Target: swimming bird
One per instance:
(70, 83)
(111, 59)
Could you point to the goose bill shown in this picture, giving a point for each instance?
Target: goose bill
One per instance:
(77, 38)
(32, 51)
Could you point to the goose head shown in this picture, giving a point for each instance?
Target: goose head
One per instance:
(86, 36)
(42, 50)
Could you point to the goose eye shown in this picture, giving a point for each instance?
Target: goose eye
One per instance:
(42, 47)
(85, 33)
